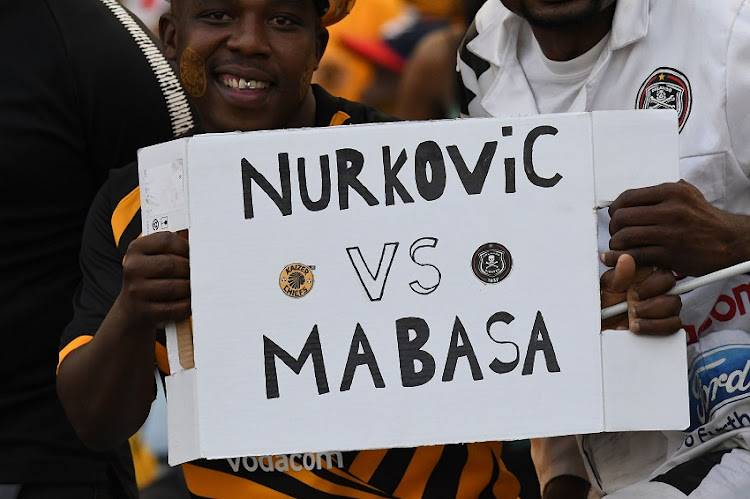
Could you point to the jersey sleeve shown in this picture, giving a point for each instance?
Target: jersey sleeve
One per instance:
(101, 267)
(128, 95)
(738, 87)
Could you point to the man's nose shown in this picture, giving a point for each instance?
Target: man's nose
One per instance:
(249, 35)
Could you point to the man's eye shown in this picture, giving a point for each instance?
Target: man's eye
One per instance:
(282, 20)
(216, 15)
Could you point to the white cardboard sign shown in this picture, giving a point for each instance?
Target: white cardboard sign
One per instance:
(404, 284)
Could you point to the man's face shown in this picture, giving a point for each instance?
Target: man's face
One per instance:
(557, 14)
(246, 64)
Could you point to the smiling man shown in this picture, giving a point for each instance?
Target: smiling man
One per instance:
(246, 65)
(247, 70)
(526, 57)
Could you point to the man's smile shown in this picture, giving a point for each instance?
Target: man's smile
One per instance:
(241, 83)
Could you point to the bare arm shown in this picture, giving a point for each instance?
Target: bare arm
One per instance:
(672, 226)
(560, 468)
(428, 82)
(107, 385)
(566, 487)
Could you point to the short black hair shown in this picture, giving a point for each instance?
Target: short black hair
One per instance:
(321, 6)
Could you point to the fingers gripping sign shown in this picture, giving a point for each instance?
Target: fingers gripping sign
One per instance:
(650, 310)
(672, 226)
(156, 279)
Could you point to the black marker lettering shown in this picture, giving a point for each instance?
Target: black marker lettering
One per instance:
(463, 350)
(311, 349)
(410, 351)
(356, 359)
(392, 183)
(350, 163)
(536, 344)
(416, 286)
(283, 201)
(325, 190)
(374, 284)
(429, 153)
(528, 162)
(497, 365)
(473, 181)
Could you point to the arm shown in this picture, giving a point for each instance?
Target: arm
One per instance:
(106, 385)
(672, 226)
(567, 487)
(560, 468)
(427, 85)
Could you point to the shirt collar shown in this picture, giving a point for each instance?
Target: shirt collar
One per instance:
(498, 29)
(630, 23)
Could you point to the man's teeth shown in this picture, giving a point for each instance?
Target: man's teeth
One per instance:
(245, 84)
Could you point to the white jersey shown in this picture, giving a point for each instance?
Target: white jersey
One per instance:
(692, 56)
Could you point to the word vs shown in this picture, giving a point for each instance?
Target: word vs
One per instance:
(374, 283)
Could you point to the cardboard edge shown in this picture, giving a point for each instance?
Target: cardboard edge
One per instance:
(157, 166)
(183, 432)
(589, 427)
(614, 156)
(164, 161)
(595, 266)
(645, 358)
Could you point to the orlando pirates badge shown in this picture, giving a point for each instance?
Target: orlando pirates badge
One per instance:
(667, 88)
(491, 263)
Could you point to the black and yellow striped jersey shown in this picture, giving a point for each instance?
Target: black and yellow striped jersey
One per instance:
(462, 470)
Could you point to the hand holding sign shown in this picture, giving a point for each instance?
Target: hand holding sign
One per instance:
(673, 226)
(650, 310)
(156, 280)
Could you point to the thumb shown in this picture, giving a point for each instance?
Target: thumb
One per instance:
(623, 275)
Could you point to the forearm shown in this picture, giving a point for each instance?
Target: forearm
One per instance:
(559, 467)
(566, 487)
(738, 246)
(107, 385)
(673, 227)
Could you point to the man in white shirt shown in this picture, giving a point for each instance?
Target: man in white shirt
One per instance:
(524, 57)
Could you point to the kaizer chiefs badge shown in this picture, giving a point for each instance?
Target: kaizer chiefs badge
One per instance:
(193, 73)
(296, 280)
(667, 88)
(491, 263)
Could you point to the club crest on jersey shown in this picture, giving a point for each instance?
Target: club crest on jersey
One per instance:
(491, 263)
(667, 88)
(296, 280)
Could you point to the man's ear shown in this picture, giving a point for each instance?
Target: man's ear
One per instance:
(321, 42)
(168, 35)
